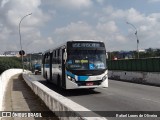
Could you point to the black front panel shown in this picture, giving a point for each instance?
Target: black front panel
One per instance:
(82, 45)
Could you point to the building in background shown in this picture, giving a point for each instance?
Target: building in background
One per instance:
(9, 53)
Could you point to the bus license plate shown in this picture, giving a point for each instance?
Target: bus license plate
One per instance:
(89, 84)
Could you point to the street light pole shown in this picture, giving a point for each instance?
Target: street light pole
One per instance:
(20, 37)
(136, 37)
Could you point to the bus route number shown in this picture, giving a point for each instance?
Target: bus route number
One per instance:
(75, 45)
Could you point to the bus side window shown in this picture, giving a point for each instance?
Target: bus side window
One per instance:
(47, 59)
(43, 59)
(58, 56)
(53, 57)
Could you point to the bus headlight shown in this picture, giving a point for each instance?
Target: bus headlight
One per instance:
(72, 79)
(69, 77)
(104, 77)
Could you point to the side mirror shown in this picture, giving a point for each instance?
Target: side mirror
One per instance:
(106, 55)
(65, 55)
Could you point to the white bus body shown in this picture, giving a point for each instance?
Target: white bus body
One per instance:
(76, 64)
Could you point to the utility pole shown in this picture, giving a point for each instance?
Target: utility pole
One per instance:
(20, 38)
(136, 37)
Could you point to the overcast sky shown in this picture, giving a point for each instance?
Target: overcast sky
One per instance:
(54, 21)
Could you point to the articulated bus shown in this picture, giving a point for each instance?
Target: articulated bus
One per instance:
(76, 64)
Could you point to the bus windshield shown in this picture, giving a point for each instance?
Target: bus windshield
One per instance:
(86, 60)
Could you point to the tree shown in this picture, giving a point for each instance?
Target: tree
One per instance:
(9, 62)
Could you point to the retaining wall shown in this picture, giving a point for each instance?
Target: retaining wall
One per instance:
(138, 77)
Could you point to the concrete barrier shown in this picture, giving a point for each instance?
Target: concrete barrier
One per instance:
(138, 77)
(4, 79)
(57, 102)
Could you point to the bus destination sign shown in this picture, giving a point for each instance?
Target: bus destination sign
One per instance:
(86, 45)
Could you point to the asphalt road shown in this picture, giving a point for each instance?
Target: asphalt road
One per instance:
(119, 96)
